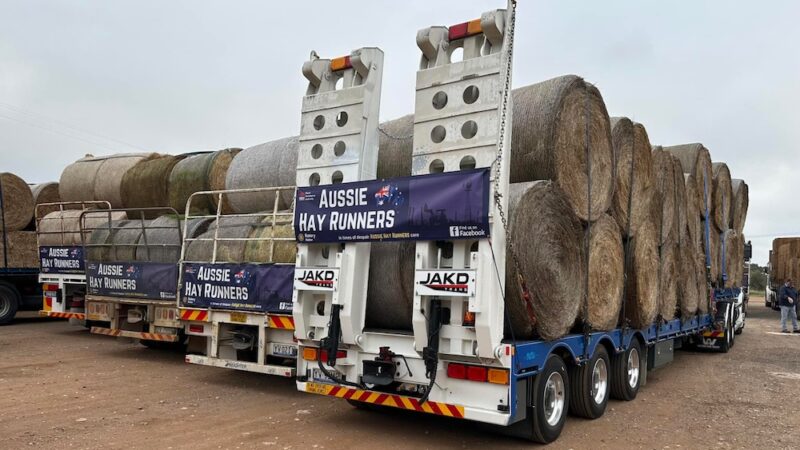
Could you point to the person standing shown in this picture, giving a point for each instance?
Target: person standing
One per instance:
(787, 299)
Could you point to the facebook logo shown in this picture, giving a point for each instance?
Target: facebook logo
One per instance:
(454, 232)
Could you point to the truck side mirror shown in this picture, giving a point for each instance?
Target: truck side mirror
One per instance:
(748, 251)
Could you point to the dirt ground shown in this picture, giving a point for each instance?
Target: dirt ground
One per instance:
(62, 387)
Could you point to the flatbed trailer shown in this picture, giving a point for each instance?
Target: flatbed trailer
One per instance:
(254, 334)
(133, 297)
(19, 287)
(458, 359)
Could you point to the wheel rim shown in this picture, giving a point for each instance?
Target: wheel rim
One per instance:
(599, 381)
(5, 307)
(554, 398)
(633, 368)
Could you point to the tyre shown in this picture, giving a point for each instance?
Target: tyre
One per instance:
(9, 303)
(589, 385)
(626, 372)
(550, 401)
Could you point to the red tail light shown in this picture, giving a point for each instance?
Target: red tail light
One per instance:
(196, 328)
(465, 29)
(457, 371)
(339, 355)
(476, 373)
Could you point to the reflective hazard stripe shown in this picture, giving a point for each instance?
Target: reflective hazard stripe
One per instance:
(194, 315)
(283, 322)
(136, 334)
(391, 400)
(64, 315)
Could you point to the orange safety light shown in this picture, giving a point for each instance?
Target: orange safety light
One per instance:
(341, 63)
(469, 319)
(498, 376)
(462, 30)
(310, 353)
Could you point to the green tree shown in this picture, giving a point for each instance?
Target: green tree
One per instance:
(758, 278)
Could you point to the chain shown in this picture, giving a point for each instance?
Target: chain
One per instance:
(395, 137)
(498, 197)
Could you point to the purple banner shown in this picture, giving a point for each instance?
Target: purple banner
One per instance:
(443, 206)
(241, 287)
(155, 281)
(66, 260)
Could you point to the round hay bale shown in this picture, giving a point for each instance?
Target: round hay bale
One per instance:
(641, 290)
(681, 203)
(723, 196)
(125, 241)
(63, 228)
(45, 193)
(272, 164)
(693, 222)
(783, 249)
(267, 251)
(702, 283)
(17, 209)
(713, 251)
(100, 241)
(227, 251)
(668, 281)
(689, 294)
(161, 241)
(108, 177)
(633, 163)
(77, 179)
(551, 258)
(730, 259)
(741, 201)
(696, 160)
(200, 172)
(145, 184)
(606, 274)
(556, 116)
(22, 250)
(390, 298)
(663, 170)
(396, 139)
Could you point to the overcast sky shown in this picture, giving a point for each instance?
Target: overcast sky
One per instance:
(101, 77)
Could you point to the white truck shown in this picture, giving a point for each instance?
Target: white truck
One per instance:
(237, 315)
(61, 259)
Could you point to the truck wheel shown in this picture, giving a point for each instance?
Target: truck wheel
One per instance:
(550, 400)
(9, 303)
(626, 372)
(727, 342)
(589, 385)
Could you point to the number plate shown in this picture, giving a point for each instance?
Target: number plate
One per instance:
(317, 375)
(238, 317)
(285, 350)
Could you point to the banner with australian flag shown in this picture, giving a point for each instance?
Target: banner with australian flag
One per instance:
(239, 287)
(146, 280)
(442, 206)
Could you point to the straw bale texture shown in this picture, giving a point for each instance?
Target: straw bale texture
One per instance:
(144, 185)
(163, 238)
(200, 172)
(723, 196)
(668, 282)
(63, 228)
(390, 298)
(22, 250)
(267, 251)
(695, 160)
(741, 201)
(551, 144)
(272, 164)
(606, 274)
(663, 170)
(227, 251)
(45, 193)
(641, 291)
(634, 173)
(551, 260)
(688, 292)
(17, 202)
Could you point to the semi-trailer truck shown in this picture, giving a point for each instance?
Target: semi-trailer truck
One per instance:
(457, 361)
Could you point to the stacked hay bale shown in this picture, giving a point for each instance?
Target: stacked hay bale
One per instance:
(45, 193)
(783, 250)
(98, 178)
(200, 172)
(17, 246)
(63, 228)
(144, 185)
